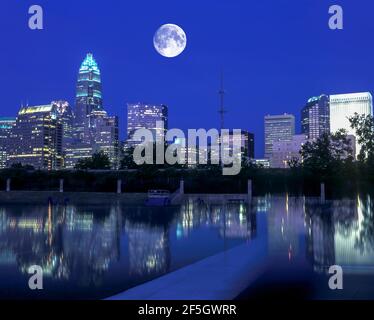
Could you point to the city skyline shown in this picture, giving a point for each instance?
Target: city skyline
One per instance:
(82, 134)
(272, 69)
(187, 151)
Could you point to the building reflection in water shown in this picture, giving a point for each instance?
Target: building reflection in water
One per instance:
(66, 243)
(82, 245)
(90, 241)
(148, 243)
(334, 232)
(233, 220)
(342, 233)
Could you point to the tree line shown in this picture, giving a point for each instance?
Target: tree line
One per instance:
(328, 159)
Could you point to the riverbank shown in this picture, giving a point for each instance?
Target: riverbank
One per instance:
(97, 198)
(81, 198)
(295, 182)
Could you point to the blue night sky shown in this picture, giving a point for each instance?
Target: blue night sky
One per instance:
(275, 55)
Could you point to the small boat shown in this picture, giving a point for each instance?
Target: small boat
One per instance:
(158, 198)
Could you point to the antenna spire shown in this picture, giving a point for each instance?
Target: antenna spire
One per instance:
(222, 109)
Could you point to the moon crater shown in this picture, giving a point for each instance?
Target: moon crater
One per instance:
(170, 40)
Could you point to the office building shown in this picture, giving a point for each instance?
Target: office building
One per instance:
(278, 128)
(344, 106)
(285, 151)
(88, 93)
(66, 117)
(36, 138)
(146, 116)
(6, 125)
(76, 151)
(246, 140)
(315, 117)
(102, 134)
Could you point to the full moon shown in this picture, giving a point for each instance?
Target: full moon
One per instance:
(170, 40)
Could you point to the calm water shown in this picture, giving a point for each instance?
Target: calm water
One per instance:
(96, 251)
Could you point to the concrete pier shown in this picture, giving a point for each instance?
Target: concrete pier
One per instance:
(181, 187)
(61, 185)
(323, 194)
(8, 185)
(119, 186)
(250, 191)
(220, 277)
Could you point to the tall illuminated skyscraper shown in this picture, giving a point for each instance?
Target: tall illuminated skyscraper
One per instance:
(6, 126)
(315, 117)
(278, 128)
(145, 116)
(36, 138)
(66, 117)
(88, 96)
(102, 134)
(344, 106)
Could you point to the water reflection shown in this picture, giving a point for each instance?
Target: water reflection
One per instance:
(96, 247)
(232, 220)
(96, 251)
(149, 249)
(334, 232)
(65, 243)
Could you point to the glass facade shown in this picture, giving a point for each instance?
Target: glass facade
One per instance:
(278, 128)
(286, 151)
(102, 134)
(6, 125)
(75, 152)
(88, 96)
(344, 106)
(315, 117)
(145, 116)
(245, 139)
(93, 130)
(36, 138)
(66, 116)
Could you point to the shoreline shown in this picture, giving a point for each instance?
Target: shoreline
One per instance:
(96, 198)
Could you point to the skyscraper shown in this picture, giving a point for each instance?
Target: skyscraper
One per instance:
(315, 117)
(285, 151)
(100, 135)
(36, 138)
(6, 126)
(76, 151)
(278, 128)
(94, 131)
(66, 117)
(344, 106)
(245, 139)
(145, 116)
(102, 131)
(88, 95)
(251, 145)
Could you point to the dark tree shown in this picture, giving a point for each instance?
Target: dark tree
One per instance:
(127, 161)
(327, 154)
(98, 161)
(364, 127)
(21, 166)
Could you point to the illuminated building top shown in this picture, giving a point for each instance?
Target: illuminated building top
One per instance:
(89, 64)
(88, 95)
(36, 109)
